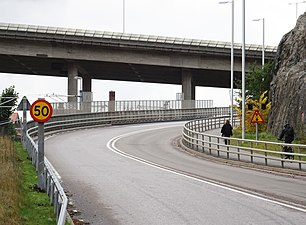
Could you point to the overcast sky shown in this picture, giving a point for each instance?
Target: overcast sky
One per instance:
(196, 19)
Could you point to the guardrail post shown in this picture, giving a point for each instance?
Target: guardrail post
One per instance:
(218, 147)
(197, 141)
(189, 139)
(56, 203)
(203, 142)
(52, 193)
(209, 139)
(58, 210)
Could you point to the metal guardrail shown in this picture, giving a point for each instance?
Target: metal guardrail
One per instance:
(54, 189)
(195, 138)
(61, 108)
(67, 122)
(85, 120)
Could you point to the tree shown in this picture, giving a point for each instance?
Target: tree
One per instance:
(257, 81)
(8, 101)
(257, 85)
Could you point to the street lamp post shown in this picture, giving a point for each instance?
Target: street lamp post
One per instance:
(263, 39)
(296, 7)
(123, 16)
(232, 58)
(80, 91)
(243, 71)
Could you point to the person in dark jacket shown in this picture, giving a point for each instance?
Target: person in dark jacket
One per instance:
(287, 135)
(227, 131)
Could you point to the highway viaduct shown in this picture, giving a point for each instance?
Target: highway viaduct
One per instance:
(64, 52)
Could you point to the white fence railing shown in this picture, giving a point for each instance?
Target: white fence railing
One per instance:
(61, 108)
(54, 189)
(270, 153)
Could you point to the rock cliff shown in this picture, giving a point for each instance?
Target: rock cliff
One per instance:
(288, 86)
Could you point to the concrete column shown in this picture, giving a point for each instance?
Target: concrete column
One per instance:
(86, 94)
(72, 83)
(86, 83)
(188, 89)
(111, 101)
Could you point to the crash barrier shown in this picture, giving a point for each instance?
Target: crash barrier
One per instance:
(259, 152)
(64, 108)
(89, 120)
(52, 185)
(67, 122)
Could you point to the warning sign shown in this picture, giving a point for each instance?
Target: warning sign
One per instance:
(257, 117)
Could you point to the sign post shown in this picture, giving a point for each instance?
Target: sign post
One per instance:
(24, 105)
(257, 118)
(41, 111)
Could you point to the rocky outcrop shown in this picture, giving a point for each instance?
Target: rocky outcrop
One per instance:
(288, 86)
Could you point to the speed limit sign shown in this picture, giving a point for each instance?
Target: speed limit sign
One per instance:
(41, 110)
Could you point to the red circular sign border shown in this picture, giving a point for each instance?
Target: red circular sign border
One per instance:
(48, 117)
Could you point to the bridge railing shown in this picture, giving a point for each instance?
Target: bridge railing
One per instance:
(259, 152)
(54, 189)
(90, 120)
(61, 108)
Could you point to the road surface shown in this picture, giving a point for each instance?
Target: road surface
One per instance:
(135, 174)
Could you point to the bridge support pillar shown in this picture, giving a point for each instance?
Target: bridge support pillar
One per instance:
(188, 89)
(86, 94)
(86, 83)
(72, 83)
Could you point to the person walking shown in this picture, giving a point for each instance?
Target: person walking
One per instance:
(288, 135)
(227, 131)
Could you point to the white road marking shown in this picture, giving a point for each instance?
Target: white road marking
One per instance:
(111, 146)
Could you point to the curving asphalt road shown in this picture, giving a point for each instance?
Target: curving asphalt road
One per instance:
(136, 175)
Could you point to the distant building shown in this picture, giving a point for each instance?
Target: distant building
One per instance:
(15, 118)
(16, 122)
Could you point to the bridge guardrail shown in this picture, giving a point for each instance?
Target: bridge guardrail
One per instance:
(195, 138)
(54, 189)
(76, 121)
(62, 108)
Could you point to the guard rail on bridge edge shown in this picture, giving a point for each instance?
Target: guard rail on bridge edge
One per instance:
(195, 138)
(90, 120)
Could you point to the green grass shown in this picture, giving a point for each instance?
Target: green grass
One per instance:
(35, 205)
(9, 183)
(20, 201)
(265, 136)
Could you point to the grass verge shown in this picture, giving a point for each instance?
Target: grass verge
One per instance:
(21, 202)
(35, 205)
(9, 183)
(269, 137)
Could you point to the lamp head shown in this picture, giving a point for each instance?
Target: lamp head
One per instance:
(225, 2)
